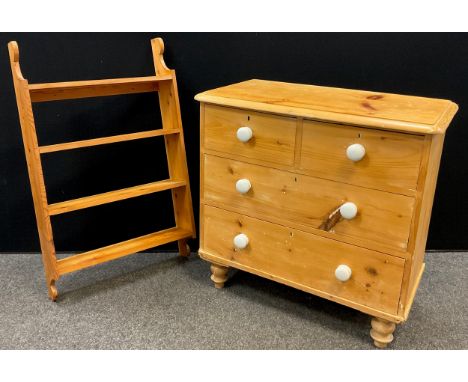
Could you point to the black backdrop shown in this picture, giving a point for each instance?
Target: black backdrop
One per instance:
(431, 65)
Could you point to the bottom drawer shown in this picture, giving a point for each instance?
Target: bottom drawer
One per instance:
(305, 259)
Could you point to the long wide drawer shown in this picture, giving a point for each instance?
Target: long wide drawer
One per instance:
(391, 161)
(382, 218)
(273, 137)
(305, 259)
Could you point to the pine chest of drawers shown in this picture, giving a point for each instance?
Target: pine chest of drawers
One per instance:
(323, 189)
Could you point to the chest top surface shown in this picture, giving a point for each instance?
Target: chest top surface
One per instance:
(356, 107)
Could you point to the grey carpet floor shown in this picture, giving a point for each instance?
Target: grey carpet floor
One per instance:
(161, 301)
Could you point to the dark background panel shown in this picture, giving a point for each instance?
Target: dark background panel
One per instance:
(423, 64)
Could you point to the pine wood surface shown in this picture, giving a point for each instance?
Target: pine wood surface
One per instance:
(420, 229)
(175, 145)
(106, 140)
(305, 259)
(114, 251)
(165, 83)
(273, 137)
(382, 332)
(391, 162)
(113, 196)
(95, 88)
(355, 107)
(383, 217)
(290, 212)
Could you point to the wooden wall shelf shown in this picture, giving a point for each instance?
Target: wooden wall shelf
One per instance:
(164, 82)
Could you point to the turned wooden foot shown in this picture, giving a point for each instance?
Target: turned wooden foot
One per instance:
(218, 275)
(184, 249)
(382, 332)
(52, 289)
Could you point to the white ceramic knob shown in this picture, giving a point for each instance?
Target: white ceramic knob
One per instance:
(241, 241)
(355, 152)
(348, 210)
(343, 272)
(244, 133)
(243, 186)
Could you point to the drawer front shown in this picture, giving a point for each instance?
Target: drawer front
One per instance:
(273, 137)
(391, 161)
(382, 218)
(305, 259)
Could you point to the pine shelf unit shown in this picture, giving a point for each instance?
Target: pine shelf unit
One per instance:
(164, 82)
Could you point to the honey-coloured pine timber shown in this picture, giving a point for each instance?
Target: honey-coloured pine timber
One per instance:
(105, 140)
(56, 91)
(113, 196)
(327, 190)
(114, 251)
(163, 82)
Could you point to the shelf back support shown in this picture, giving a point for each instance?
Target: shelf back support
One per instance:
(175, 146)
(36, 178)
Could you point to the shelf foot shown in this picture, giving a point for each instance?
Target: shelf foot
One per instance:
(52, 289)
(184, 248)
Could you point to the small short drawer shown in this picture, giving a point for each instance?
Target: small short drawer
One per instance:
(381, 219)
(355, 274)
(364, 157)
(261, 136)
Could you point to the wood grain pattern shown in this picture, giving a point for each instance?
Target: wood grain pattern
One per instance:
(393, 187)
(114, 196)
(94, 88)
(391, 162)
(172, 132)
(404, 309)
(36, 177)
(383, 218)
(417, 244)
(184, 248)
(175, 145)
(209, 257)
(114, 251)
(202, 174)
(405, 289)
(273, 137)
(105, 140)
(305, 259)
(347, 106)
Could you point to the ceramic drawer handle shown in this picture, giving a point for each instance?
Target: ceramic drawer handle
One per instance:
(355, 152)
(244, 134)
(243, 186)
(348, 210)
(343, 272)
(241, 241)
